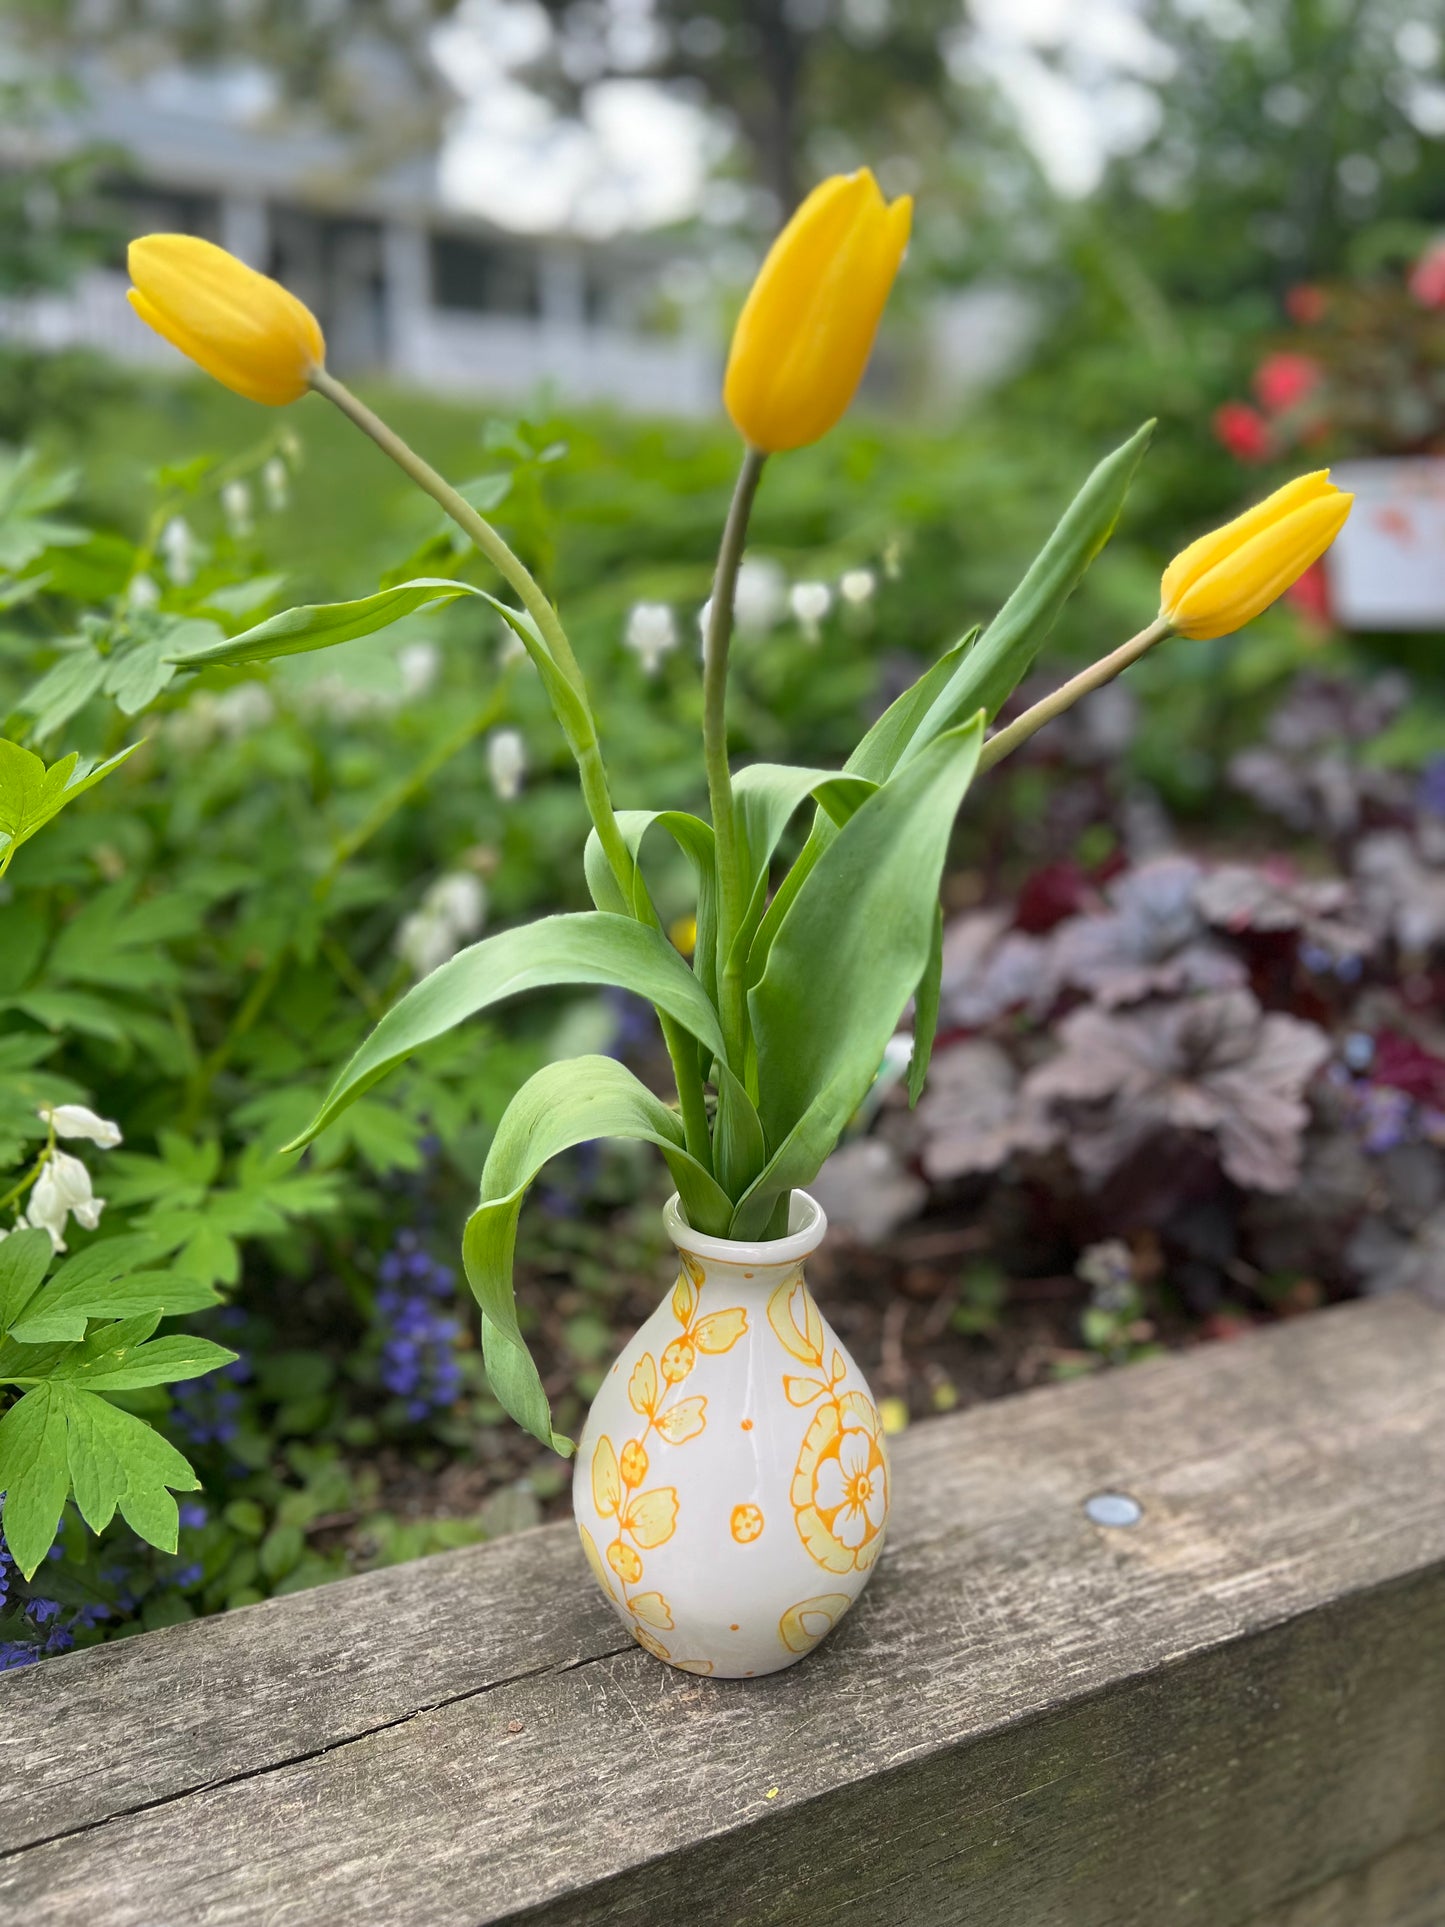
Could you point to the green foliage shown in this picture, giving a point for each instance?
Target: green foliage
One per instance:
(588, 948)
(65, 1344)
(32, 795)
(571, 1103)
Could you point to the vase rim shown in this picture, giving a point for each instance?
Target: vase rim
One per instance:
(807, 1224)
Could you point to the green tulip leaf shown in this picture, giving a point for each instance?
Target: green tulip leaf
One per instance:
(570, 1103)
(590, 947)
(766, 796)
(991, 671)
(695, 839)
(847, 956)
(321, 625)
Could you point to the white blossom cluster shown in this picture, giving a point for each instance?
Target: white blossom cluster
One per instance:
(63, 1189)
(762, 598)
(453, 910)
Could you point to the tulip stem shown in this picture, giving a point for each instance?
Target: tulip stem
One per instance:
(584, 746)
(731, 908)
(529, 592)
(1004, 741)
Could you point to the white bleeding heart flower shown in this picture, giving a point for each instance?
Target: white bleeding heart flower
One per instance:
(810, 602)
(63, 1190)
(236, 507)
(78, 1120)
(651, 634)
(761, 595)
(420, 664)
(178, 546)
(459, 899)
(276, 480)
(506, 762)
(857, 586)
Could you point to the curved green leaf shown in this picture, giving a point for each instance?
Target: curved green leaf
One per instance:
(570, 1103)
(997, 663)
(846, 958)
(695, 839)
(321, 625)
(874, 756)
(590, 947)
(766, 797)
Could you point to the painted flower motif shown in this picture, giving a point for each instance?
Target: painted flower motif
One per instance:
(633, 1463)
(803, 1625)
(840, 1486)
(747, 1524)
(853, 1488)
(678, 1360)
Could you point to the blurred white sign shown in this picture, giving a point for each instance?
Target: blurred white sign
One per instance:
(1387, 566)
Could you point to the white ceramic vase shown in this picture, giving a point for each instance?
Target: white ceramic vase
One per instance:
(731, 1487)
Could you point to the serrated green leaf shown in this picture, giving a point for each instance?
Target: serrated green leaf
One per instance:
(137, 674)
(590, 947)
(128, 1364)
(24, 1259)
(117, 1460)
(31, 794)
(65, 688)
(566, 1104)
(34, 1474)
(100, 1283)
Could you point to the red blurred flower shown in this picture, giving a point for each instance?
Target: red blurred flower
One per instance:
(1306, 304)
(1310, 594)
(1400, 1062)
(1243, 431)
(1049, 895)
(1427, 277)
(1284, 380)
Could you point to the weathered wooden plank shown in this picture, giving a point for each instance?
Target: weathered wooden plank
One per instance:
(1404, 1888)
(1028, 1719)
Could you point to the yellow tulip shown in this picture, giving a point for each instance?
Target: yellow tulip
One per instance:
(240, 326)
(806, 330)
(1226, 578)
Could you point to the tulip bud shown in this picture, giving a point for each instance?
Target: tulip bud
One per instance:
(1228, 577)
(806, 330)
(240, 326)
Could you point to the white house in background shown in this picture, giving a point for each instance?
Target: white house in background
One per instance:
(400, 283)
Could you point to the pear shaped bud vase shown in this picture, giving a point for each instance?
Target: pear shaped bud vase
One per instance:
(732, 1481)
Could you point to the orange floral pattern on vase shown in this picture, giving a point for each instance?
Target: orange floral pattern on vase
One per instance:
(747, 1523)
(803, 1625)
(648, 1519)
(839, 1491)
